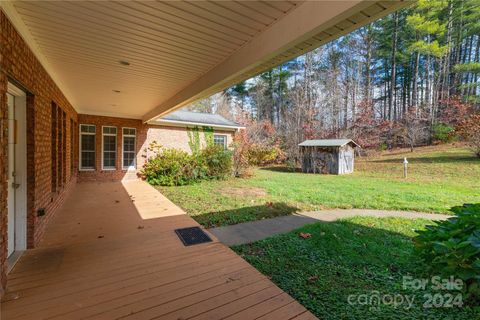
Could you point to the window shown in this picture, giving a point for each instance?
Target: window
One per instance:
(109, 148)
(129, 136)
(58, 147)
(87, 147)
(72, 146)
(60, 138)
(63, 176)
(53, 147)
(221, 140)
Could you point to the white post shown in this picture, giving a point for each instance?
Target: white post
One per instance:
(405, 166)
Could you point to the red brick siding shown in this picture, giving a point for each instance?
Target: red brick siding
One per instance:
(177, 137)
(3, 177)
(19, 64)
(167, 136)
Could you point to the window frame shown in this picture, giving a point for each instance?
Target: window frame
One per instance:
(53, 147)
(134, 167)
(103, 147)
(94, 134)
(225, 141)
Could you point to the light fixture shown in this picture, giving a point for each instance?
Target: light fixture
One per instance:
(124, 63)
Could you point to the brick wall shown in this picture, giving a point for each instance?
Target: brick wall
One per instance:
(167, 136)
(18, 64)
(3, 175)
(110, 175)
(177, 137)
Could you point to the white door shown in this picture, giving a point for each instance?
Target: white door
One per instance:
(16, 180)
(11, 170)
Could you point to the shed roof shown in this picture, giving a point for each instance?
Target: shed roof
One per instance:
(327, 143)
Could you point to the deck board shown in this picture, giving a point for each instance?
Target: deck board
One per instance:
(111, 252)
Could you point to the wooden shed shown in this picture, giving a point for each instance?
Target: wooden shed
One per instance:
(328, 156)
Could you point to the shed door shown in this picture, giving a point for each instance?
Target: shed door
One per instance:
(348, 160)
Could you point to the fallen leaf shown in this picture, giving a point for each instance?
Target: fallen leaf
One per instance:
(305, 235)
(11, 296)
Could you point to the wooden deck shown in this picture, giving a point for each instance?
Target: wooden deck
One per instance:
(111, 253)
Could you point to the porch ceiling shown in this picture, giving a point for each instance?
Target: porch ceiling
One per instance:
(177, 51)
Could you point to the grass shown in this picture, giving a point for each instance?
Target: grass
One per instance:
(439, 177)
(350, 257)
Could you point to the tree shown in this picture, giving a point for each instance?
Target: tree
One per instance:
(469, 130)
(239, 92)
(241, 149)
(393, 74)
(415, 129)
(420, 64)
(428, 27)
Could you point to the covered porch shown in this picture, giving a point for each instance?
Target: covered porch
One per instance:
(111, 252)
(77, 77)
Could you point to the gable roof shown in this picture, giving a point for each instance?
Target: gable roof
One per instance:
(327, 143)
(190, 118)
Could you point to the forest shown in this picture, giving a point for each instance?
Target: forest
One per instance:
(409, 79)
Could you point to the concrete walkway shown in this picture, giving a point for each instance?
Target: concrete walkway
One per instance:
(258, 230)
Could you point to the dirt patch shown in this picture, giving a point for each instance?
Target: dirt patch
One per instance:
(244, 192)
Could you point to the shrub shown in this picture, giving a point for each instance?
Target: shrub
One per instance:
(217, 160)
(442, 132)
(291, 165)
(264, 154)
(241, 149)
(452, 248)
(172, 167)
(469, 130)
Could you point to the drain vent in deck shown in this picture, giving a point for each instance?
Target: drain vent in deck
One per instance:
(193, 235)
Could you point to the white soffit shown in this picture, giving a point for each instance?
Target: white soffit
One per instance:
(178, 51)
(8, 8)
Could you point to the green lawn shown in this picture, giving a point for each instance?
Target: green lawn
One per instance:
(439, 178)
(351, 257)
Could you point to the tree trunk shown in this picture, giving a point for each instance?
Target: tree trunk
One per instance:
(458, 51)
(404, 93)
(427, 84)
(445, 88)
(394, 67)
(368, 62)
(477, 59)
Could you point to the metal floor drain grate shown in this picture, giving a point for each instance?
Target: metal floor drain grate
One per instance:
(192, 235)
